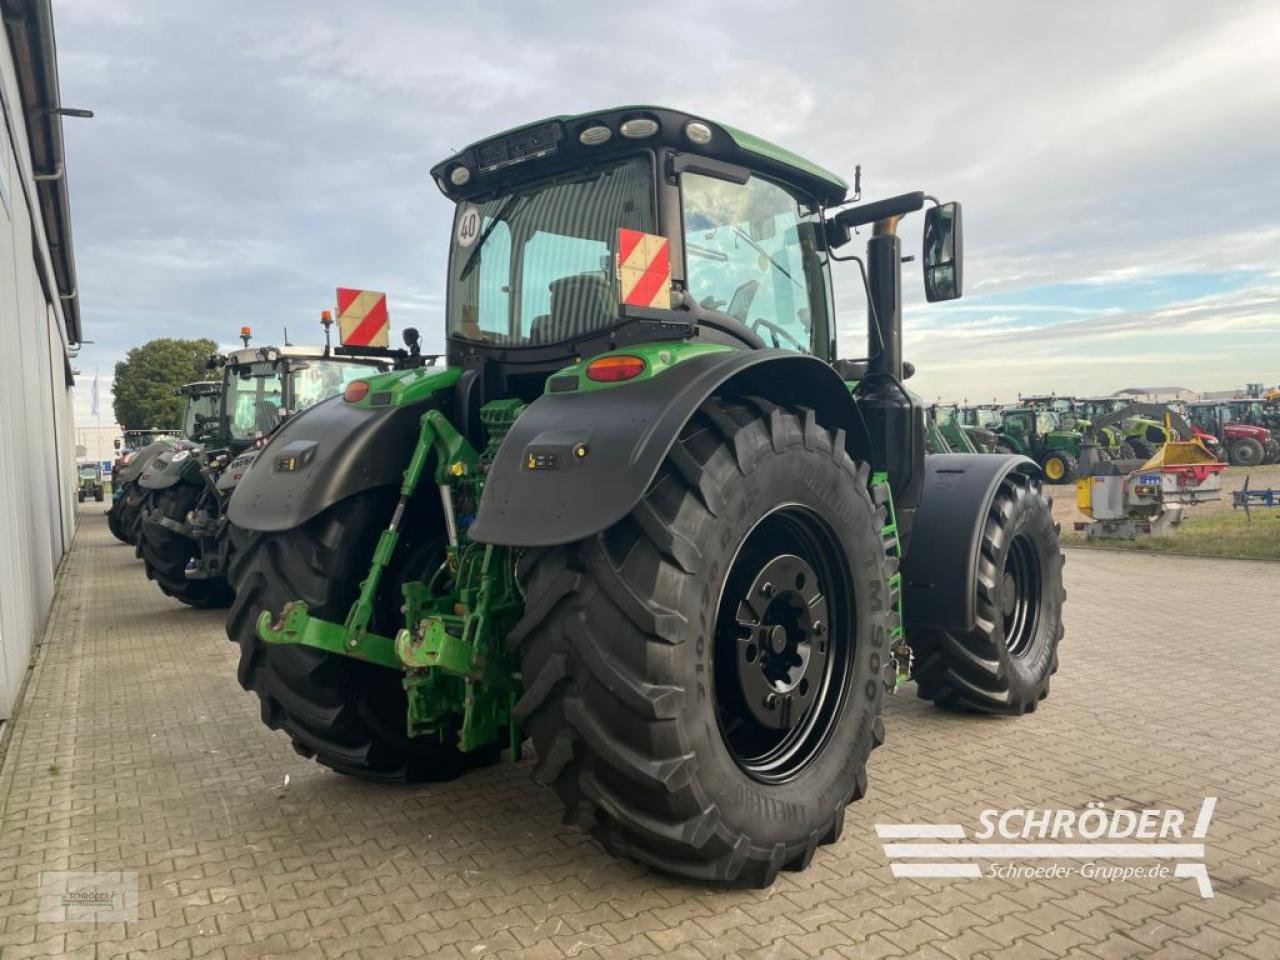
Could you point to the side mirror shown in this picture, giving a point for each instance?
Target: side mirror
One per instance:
(116, 443)
(943, 252)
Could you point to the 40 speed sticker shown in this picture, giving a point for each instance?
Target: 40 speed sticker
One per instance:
(1149, 843)
(468, 226)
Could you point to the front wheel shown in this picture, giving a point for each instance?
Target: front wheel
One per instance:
(1004, 664)
(1058, 467)
(703, 680)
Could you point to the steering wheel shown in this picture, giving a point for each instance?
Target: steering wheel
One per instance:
(777, 332)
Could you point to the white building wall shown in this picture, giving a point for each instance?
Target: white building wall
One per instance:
(37, 462)
(98, 442)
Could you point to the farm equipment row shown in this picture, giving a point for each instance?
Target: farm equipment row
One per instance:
(1052, 430)
(641, 514)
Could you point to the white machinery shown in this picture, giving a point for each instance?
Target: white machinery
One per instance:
(1125, 499)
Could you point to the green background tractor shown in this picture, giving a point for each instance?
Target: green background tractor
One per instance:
(89, 485)
(1039, 434)
(644, 516)
(962, 437)
(1144, 435)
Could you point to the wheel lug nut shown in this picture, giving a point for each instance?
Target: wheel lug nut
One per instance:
(819, 628)
(771, 701)
(766, 590)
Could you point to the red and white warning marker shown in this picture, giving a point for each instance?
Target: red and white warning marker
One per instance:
(363, 320)
(644, 269)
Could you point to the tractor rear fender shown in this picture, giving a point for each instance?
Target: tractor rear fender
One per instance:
(234, 471)
(169, 468)
(133, 469)
(322, 455)
(939, 570)
(576, 463)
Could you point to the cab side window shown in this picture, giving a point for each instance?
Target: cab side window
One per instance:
(751, 252)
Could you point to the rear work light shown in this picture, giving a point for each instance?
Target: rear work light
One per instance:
(356, 391)
(615, 369)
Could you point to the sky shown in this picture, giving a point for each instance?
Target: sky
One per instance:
(1117, 162)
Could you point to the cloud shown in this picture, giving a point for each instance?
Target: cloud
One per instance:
(247, 158)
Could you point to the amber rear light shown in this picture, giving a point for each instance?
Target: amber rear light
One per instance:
(356, 391)
(615, 369)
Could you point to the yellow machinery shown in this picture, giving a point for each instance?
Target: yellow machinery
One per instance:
(1124, 499)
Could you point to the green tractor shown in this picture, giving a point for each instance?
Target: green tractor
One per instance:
(1040, 435)
(944, 433)
(1136, 437)
(960, 436)
(984, 417)
(89, 484)
(644, 516)
(1062, 405)
(184, 542)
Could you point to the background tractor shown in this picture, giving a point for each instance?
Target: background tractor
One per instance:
(1257, 412)
(959, 436)
(984, 416)
(1143, 435)
(89, 482)
(136, 450)
(644, 516)
(184, 542)
(1039, 435)
(1245, 445)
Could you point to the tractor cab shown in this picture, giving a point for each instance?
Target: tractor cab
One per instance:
(263, 385)
(580, 235)
(200, 420)
(588, 251)
(1030, 423)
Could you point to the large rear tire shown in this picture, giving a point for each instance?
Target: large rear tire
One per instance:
(135, 504)
(115, 519)
(166, 552)
(346, 714)
(1142, 449)
(1004, 664)
(1245, 452)
(683, 702)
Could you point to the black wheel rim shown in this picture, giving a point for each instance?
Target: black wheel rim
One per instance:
(1020, 595)
(780, 674)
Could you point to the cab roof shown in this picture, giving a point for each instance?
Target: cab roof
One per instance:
(200, 387)
(549, 145)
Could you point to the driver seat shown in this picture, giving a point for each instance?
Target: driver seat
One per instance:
(580, 303)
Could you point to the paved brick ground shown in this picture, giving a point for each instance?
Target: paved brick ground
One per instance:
(137, 751)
